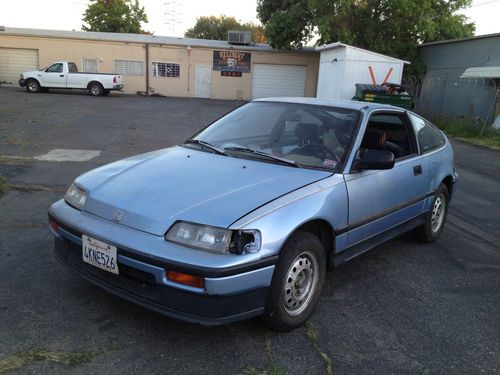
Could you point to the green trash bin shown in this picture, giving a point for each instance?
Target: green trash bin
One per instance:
(388, 93)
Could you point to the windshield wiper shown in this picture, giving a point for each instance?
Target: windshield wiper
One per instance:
(206, 145)
(292, 163)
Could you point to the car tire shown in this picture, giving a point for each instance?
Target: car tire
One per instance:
(33, 86)
(96, 89)
(297, 282)
(436, 217)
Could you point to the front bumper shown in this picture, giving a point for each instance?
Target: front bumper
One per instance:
(234, 289)
(139, 287)
(22, 82)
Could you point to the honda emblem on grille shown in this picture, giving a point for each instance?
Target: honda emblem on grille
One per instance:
(117, 215)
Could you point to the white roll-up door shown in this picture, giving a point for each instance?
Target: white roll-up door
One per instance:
(278, 80)
(14, 61)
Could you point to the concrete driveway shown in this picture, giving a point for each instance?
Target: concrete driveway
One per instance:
(405, 308)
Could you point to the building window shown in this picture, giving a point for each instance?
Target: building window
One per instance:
(89, 65)
(166, 70)
(128, 67)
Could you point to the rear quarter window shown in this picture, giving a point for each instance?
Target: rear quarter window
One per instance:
(429, 137)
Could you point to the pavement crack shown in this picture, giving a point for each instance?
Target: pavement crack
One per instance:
(313, 337)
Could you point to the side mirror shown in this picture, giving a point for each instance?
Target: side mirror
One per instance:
(375, 159)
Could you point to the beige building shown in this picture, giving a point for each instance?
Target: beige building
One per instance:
(169, 66)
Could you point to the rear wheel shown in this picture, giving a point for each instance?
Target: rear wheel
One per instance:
(297, 282)
(96, 89)
(436, 217)
(33, 86)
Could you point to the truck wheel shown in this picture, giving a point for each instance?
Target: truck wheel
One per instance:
(96, 89)
(297, 282)
(32, 85)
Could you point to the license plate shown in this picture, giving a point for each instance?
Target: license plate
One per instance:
(99, 254)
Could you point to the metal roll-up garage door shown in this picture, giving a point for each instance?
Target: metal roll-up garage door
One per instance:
(278, 80)
(14, 61)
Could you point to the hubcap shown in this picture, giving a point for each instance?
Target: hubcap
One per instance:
(32, 86)
(438, 211)
(95, 90)
(301, 283)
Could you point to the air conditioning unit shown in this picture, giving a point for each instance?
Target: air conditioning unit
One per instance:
(239, 37)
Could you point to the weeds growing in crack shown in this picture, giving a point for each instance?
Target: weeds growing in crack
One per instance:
(313, 337)
(272, 368)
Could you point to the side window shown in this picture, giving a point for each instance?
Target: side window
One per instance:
(429, 137)
(72, 68)
(389, 132)
(55, 68)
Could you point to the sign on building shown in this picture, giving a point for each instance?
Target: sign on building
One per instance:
(232, 61)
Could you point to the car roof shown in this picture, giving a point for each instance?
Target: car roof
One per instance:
(349, 104)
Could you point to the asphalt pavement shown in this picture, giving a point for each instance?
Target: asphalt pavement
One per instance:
(404, 308)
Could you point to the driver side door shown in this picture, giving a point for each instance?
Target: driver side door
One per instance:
(54, 76)
(382, 199)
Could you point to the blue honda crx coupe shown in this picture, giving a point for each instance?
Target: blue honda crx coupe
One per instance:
(245, 217)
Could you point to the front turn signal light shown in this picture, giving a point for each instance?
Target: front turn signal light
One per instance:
(186, 279)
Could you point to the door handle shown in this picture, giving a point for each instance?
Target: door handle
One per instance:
(61, 75)
(417, 170)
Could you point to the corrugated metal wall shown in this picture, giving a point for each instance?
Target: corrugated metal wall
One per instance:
(444, 93)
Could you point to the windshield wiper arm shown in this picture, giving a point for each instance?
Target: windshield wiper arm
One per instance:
(206, 145)
(292, 163)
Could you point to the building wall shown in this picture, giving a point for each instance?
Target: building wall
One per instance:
(444, 93)
(53, 49)
(358, 70)
(341, 68)
(332, 66)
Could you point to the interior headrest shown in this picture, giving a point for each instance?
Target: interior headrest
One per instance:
(373, 139)
(306, 131)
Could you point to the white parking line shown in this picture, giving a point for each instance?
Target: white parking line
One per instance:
(60, 154)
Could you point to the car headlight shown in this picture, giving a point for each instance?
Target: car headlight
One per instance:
(214, 239)
(75, 197)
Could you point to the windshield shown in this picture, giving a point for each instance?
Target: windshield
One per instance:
(310, 135)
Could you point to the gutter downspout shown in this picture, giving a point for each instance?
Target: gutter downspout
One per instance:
(147, 69)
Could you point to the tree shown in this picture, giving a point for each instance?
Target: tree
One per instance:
(391, 27)
(216, 28)
(115, 16)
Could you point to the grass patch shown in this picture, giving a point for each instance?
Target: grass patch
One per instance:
(31, 356)
(468, 131)
(272, 369)
(3, 185)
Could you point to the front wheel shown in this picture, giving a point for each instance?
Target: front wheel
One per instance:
(297, 282)
(436, 217)
(96, 89)
(33, 86)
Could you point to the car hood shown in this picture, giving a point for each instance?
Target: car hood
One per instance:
(156, 189)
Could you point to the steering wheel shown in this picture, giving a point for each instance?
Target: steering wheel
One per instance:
(309, 150)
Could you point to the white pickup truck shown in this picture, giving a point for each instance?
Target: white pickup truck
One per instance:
(65, 75)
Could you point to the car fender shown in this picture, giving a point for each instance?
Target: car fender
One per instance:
(278, 220)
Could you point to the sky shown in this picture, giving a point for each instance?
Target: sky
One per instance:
(181, 14)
